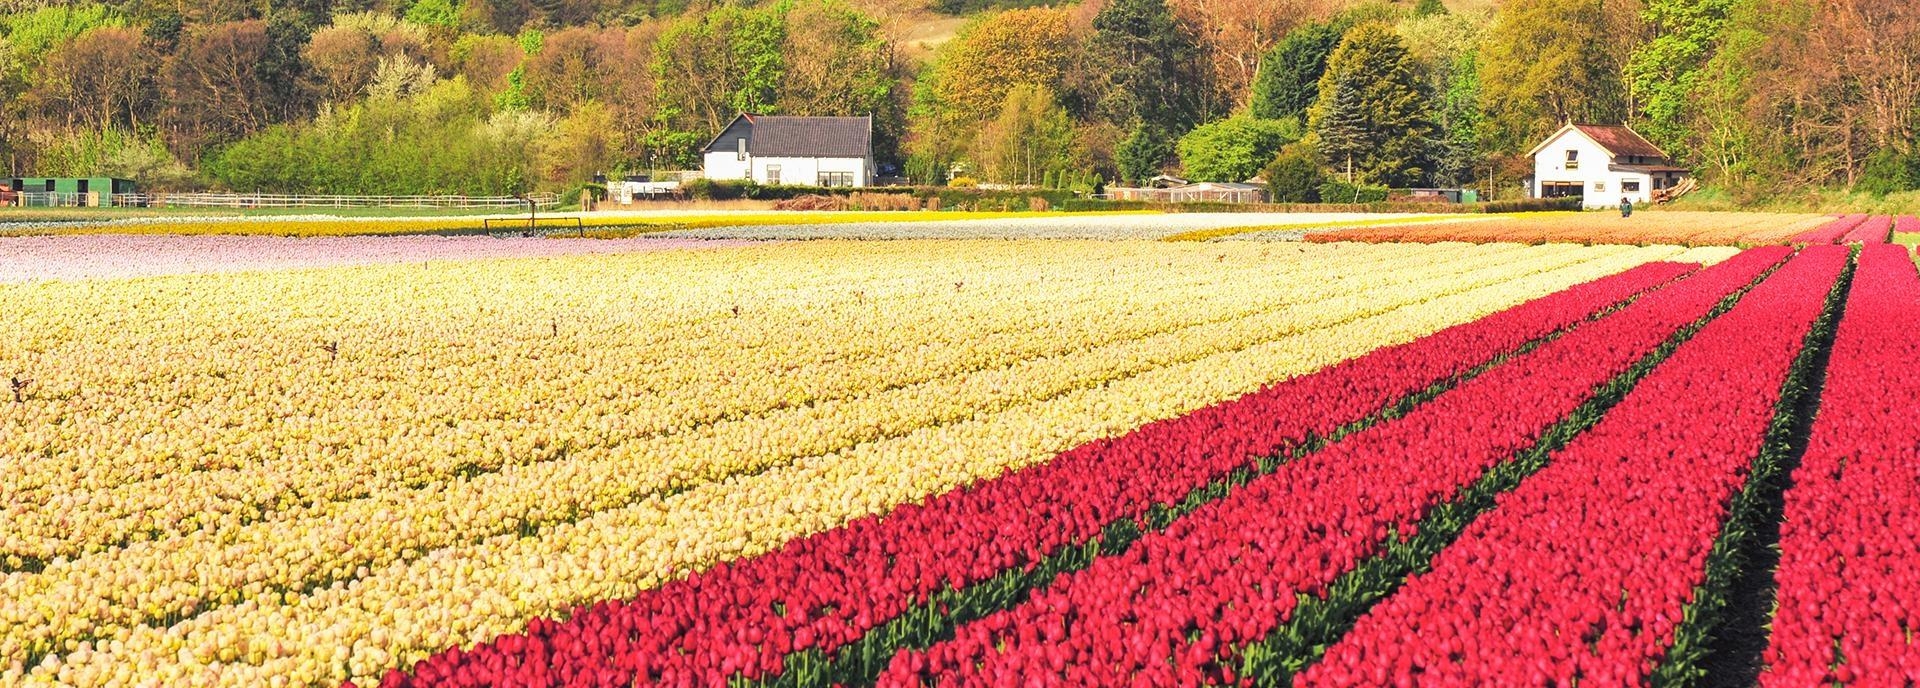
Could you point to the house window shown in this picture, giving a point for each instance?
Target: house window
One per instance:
(836, 179)
(742, 155)
(773, 175)
(1599, 187)
(1573, 160)
(1629, 186)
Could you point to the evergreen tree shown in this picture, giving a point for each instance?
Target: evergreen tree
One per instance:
(1374, 115)
(1289, 77)
(1428, 8)
(1142, 154)
(1152, 71)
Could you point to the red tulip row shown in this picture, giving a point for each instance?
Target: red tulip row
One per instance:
(1876, 230)
(1849, 574)
(1586, 571)
(1169, 609)
(981, 544)
(1833, 232)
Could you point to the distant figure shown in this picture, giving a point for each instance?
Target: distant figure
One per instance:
(1626, 207)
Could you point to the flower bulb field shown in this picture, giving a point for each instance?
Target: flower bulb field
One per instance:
(432, 461)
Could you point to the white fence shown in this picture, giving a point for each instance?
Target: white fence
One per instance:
(235, 200)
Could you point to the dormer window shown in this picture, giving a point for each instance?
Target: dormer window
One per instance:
(1573, 159)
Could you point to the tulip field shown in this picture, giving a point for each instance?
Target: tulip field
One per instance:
(389, 462)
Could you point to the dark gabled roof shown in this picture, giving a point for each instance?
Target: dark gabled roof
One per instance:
(1646, 169)
(1618, 140)
(798, 137)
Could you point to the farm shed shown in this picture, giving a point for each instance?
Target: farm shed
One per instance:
(809, 151)
(1214, 192)
(1603, 163)
(71, 191)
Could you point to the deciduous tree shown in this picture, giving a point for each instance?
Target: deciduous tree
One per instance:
(1030, 138)
(1233, 149)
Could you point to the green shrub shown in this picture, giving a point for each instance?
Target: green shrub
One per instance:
(1339, 191)
(1295, 176)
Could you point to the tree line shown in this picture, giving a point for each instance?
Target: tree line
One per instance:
(1321, 97)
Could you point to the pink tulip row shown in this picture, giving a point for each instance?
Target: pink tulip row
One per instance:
(1848, 229)
(1849, 574)
(1876, 230)
(1169, 609)
(821, 593)
(1585, 572)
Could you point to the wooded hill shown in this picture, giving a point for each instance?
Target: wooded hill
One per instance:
(500, 96)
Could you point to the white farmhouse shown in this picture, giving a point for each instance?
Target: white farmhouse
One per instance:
(808, 151)
(1602, 163)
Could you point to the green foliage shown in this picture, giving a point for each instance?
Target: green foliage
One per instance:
(1545, 63)
(1889, 171)
(1150, 68)
(34, 34)
(439, 142)
(1294, 176)
(1289, 77)
(1665, 71)
(716, 64)
(1031, 138)
(1339, 191)
(1460, 153)
(1142, 154)
(111, 152)
(1374, 116)
(1428, 8)
(1233, 149)
(965, 7)
(440, 14)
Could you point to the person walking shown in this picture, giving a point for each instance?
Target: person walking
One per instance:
(1626, 207)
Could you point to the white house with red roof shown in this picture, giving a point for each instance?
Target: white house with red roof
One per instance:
(1603, 163)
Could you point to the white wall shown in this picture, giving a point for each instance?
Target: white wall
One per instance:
(726, 165)
(806, 171)
(1550, 165)
(795, 171)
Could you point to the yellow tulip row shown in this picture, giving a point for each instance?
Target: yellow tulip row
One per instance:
(687, 315)
(447, 564)
(148, 499)
(220, 564)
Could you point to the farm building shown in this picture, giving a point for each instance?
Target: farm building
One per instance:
(1604, 163)
(1251, 191)
(69, 191)
(814, 151)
